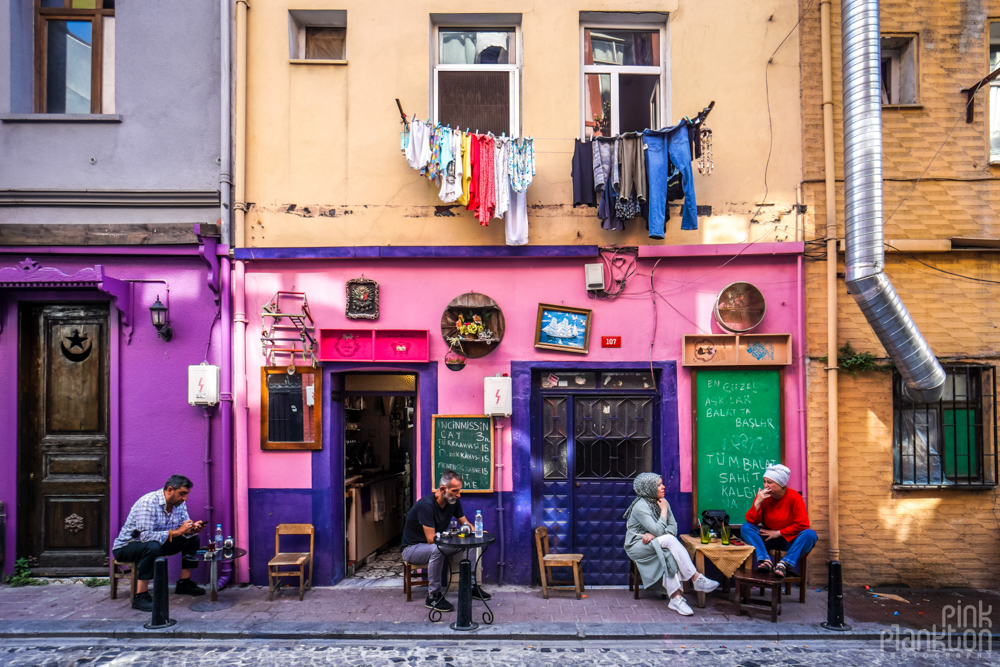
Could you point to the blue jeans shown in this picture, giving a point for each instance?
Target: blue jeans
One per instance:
(802, 544)
(663, 148)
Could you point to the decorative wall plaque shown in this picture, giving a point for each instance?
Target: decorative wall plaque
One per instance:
(73, 523)
(362, 299)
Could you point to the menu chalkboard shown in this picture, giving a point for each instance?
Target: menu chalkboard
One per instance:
(737, 434)
(463, 443)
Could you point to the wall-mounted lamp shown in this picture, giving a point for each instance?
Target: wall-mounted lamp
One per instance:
(160, 321)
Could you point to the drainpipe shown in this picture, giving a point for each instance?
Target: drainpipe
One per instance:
(864, 228)
(833, 487)
(240, 407)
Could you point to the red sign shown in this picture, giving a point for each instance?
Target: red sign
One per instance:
(611, 341)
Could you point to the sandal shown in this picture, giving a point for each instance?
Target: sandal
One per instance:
(765, 566)
(780, 570)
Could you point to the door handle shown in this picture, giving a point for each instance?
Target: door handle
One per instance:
(31, 475)
(578, 485)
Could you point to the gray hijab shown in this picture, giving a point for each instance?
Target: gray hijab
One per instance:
(646, 486)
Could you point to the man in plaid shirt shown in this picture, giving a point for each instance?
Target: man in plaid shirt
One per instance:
(159, 525)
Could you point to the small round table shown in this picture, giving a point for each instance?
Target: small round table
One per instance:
(213, 603)
(464, 607)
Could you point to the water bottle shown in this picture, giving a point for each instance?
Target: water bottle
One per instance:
(479, 523)
(218, 537)
(453, 526)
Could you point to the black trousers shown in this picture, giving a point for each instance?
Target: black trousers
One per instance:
(144, 553)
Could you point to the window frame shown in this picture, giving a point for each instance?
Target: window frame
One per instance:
(994, 159)
(986, 434)
(513, 70)
(96, 17)
(615, 70)
(897, 67)
(301, 19)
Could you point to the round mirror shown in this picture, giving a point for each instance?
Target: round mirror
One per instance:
(739, 307)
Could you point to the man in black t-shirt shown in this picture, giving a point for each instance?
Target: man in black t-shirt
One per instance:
(428, 516)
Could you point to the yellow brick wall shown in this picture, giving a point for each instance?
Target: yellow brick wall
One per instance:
(918, 538)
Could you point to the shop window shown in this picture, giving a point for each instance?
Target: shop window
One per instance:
(951, 443)
(476, 79)
(623, 79)
(994, 93)
(899, 69)
(290, 409)
(74, 55)
(318, 35)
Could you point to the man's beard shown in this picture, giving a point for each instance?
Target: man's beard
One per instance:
(451, 500)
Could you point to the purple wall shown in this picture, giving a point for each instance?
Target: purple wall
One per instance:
(155, 433)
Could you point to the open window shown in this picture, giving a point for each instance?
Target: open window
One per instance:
(74, 56)
(291, 408)
(476, 78)
(899, 69)
(317, 35)
(623, 77)
(994, 92)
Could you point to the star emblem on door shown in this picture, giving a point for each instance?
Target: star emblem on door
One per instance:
(76, 341)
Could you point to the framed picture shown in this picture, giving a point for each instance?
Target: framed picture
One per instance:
(563, 329)
(362, 299)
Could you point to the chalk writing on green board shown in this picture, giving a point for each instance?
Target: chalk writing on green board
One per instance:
(464, 444)
(739, 435)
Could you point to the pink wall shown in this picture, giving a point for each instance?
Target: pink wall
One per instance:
(415, 292)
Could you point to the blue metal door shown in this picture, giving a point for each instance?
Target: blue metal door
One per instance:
(589, 446)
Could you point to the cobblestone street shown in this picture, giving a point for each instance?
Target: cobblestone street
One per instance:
(480, 653)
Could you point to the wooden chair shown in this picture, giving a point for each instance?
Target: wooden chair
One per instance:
(299, 559)
(793, 579)
(635, 581)
(409, 581)
(747, 581)
(121, 570)
(548, 560)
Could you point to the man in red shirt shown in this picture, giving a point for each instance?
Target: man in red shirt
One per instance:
(778, 520)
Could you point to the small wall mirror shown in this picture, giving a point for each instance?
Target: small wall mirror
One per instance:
(290, 408)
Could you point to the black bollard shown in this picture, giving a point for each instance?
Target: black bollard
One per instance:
(161, 597)
(464, 620)
(835, 599)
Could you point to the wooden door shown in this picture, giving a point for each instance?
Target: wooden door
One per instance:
(63, 437)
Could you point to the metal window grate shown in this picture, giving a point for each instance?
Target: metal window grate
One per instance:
(477, 100)
(613, 436)
(555, 437)
(952, 442)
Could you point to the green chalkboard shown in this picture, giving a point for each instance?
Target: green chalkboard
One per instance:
(737, 428)
(463, 443)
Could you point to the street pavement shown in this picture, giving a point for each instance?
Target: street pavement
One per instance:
(136, 653)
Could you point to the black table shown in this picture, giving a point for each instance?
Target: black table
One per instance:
(213, 603)
(464, 607)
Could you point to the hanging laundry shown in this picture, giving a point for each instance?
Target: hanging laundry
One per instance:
(632, 163)
(605, 165)
(466, 142)
(501, 172)
(666, 149)
(487, 184)
(451, 177)
(473, 199)
(582, 174)
(522, 163)
(418, 151)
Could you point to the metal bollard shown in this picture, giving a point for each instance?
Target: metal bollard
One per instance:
(161, 597)
(835, 599)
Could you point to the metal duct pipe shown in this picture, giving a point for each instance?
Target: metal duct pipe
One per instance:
(865, 263)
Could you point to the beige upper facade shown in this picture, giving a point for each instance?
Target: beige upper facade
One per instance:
(323, 161)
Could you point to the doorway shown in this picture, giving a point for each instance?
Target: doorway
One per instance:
(379, 475)
(596, 431)
(63, 438)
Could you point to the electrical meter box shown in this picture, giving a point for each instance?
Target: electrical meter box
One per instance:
(203, 384)
(496, 396)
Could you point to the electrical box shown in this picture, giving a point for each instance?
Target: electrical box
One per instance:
(594, 274)
(496, 396)
(203, 384)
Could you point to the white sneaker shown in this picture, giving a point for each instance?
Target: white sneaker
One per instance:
(680, 605)
(705, 585)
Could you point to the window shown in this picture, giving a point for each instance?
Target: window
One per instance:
(317, 35)
(994, 93)
(74, 52)
(623, 79)
(951, 442)
(476, 79)
(899, 69)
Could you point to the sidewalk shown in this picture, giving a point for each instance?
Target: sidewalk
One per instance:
(377, 609)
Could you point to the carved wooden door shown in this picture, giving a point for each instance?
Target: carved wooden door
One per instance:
(63, 437)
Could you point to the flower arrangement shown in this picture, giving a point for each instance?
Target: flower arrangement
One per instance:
(472, 327)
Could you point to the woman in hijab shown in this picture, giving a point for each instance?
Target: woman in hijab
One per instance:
(651, 541)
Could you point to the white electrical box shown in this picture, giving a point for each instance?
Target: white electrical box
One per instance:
(203, 384)
(496, 396)
(594, 274)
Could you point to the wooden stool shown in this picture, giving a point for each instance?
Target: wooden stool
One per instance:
(118, 571)
(635, 581)
(800, 579)
(409, 581)
(547, 560)
(746, 581)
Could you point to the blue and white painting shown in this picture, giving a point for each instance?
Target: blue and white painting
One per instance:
(563, 329)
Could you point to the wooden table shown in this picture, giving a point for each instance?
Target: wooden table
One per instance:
(728, 558)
